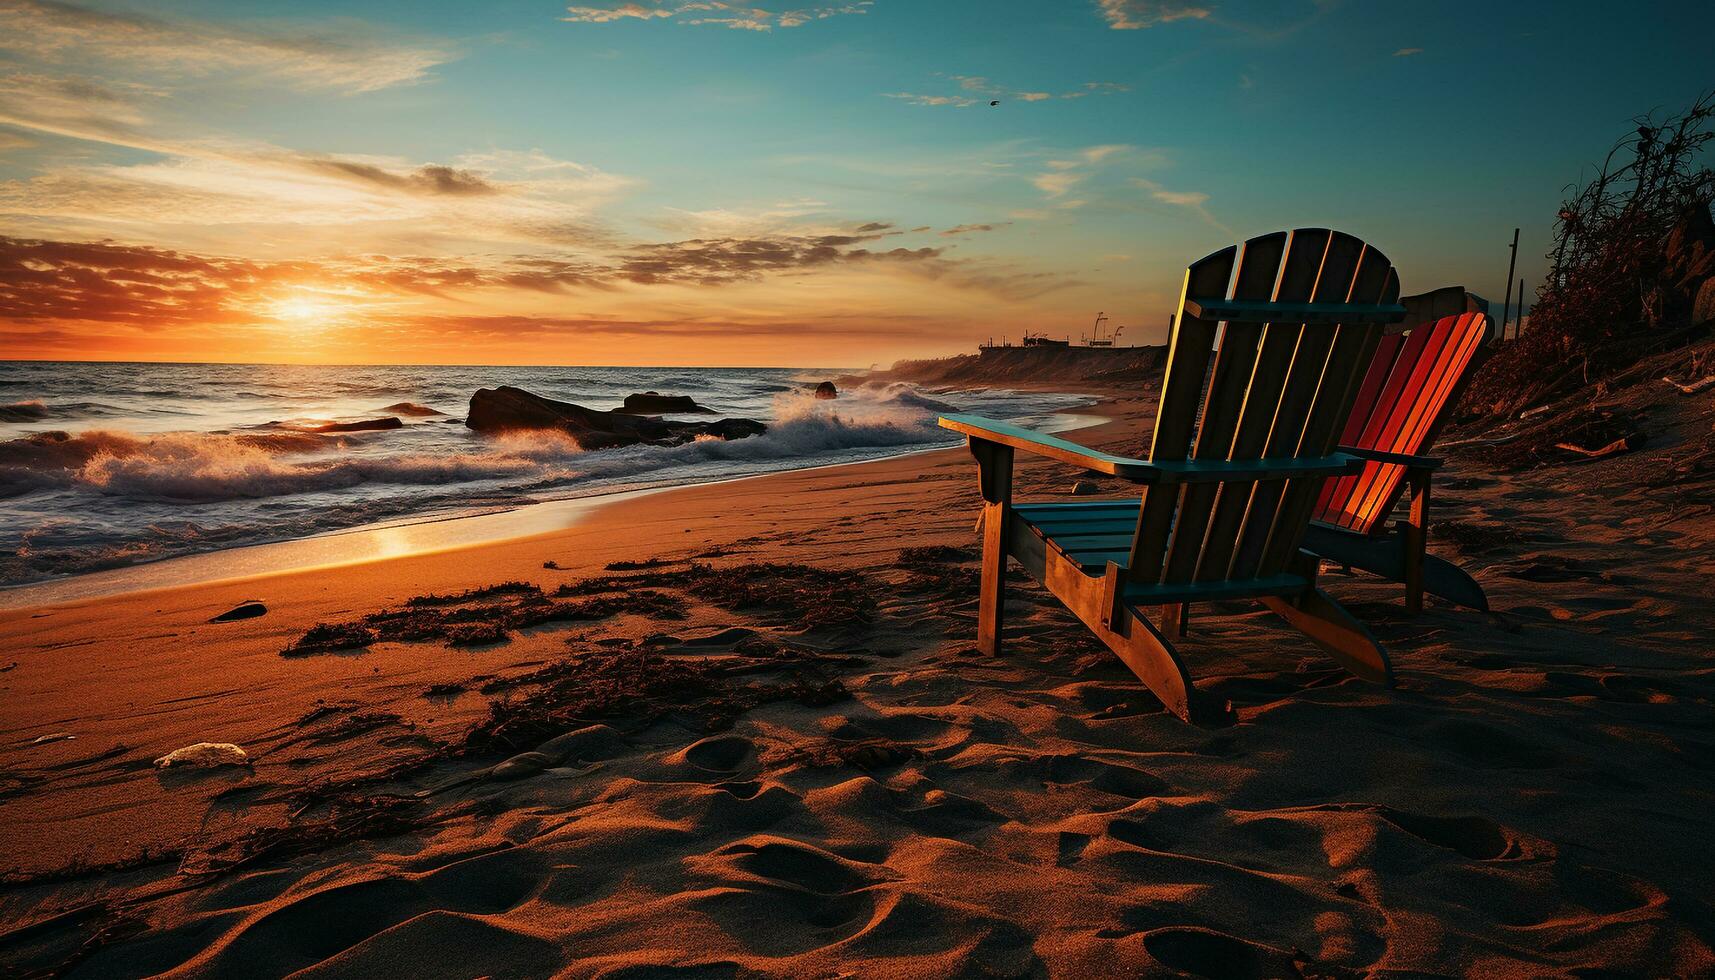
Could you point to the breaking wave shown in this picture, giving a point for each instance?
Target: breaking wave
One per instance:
(198, 467)
(112, 495)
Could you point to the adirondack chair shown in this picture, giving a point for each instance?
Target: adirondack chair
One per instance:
(1227, 489)
(1410, 390)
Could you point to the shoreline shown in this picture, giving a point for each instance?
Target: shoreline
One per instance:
(419, 534)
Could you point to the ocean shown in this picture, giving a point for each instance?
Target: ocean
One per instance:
(105, 465)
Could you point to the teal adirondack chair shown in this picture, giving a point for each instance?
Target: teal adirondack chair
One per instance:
(1231, 477)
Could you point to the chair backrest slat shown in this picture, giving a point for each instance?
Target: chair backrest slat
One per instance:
(1187, 367)
(1259, 266)
(1304, 254)
(1417, 390)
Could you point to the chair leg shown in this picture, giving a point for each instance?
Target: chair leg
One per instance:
(1416, 539)
(1128, 632)
(994, 478)
(1447, 580)
(1151, 657)
(992, 598)
(1175, 620)
(1337, 632)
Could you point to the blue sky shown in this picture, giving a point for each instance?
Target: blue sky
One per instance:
(869, 201)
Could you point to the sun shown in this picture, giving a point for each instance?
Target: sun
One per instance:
(305, 309)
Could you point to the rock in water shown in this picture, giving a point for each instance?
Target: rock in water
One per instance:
(654, 403)
(733, 428)
(827, 390)
(367, 425)
(412, 409)
(508, 409)
(204, 754)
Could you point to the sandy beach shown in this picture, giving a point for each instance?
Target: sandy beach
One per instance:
(740, 729)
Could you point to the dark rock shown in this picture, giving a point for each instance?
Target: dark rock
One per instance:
(367, 425)
(1083, 488)
(411, 408)
(827, 390)
(507, 409)
(244, 610)
(734, 428)
(1703, 308)
(654, 403)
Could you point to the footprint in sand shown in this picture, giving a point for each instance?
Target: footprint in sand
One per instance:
(718, 754)
(1475, 837)
(809, 897)
(1116, 780)
(1486, 747)
(1207, 953)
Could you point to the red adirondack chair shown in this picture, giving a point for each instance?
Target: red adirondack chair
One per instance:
(1407, 394)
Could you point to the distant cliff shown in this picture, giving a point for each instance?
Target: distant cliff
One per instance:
(1028, 365)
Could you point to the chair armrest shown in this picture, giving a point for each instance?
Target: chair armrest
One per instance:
(1142, 470)
(1403, 459)
(1018, 437)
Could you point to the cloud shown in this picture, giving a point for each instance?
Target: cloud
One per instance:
(1066, 173)
(1056, 184)
(607, 15)
(719, 13)
(1096, 154)
(957, 101)
(982, 91)
(430, 178)
(971, 229)
(1133, 15)
(55, 33)
(224, 191)
(1192, 201)
(716, 262)
(1407, 52)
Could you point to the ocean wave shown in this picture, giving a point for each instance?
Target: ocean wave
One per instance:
(23, 412)
(205, 467)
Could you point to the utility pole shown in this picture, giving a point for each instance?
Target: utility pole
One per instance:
(1518, 329)
(1507, 308)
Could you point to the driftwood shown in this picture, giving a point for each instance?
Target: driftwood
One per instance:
(1694, 387)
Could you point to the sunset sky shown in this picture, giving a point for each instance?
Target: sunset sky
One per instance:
(704, 182)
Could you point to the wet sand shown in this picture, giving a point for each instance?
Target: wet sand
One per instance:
(762, 745)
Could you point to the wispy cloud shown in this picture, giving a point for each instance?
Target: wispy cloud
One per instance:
(1065, 173)
(719, 13)
(1407, 52)
(1135, 15)
(57, 33)
(1056, 183)
(1192, 201)
(958, 230)
(979, 90)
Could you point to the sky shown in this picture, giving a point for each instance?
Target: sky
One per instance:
(703, 182)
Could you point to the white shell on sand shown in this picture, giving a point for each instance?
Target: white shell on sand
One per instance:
(205, 754)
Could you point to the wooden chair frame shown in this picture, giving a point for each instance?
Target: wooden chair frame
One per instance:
(1220, 518)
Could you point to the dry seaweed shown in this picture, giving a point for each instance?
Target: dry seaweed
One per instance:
(643, 685)
(478, 617)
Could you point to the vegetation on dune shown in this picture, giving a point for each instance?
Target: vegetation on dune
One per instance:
(1633, 247)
